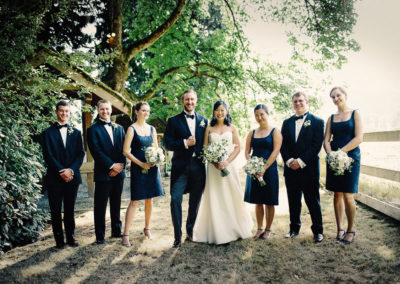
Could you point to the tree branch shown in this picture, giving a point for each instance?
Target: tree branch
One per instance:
(236, 25)
(196, 73)
(159, 81)
(142, 44)
(309, 5)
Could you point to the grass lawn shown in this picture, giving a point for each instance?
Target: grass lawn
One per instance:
(374, 257)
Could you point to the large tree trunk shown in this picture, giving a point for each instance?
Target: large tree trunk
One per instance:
(119, 72)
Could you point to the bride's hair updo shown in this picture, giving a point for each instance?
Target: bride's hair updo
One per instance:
(137, 108)
(228, 118)
(261, 106)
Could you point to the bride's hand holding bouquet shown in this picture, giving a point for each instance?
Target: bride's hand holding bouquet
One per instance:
(216, 153)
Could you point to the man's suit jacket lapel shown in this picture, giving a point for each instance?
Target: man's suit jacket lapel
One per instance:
(184, 123)
(197, 126)
(106, 135)
(58, 138)
(114, 132)
(68, 141)
(292, 128)
(302, 130)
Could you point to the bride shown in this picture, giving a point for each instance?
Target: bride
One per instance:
(222, 215)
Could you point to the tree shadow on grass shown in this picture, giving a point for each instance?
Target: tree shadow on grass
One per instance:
(13, 273)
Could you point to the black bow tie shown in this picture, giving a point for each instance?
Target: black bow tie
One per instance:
(189, 115)
(300, 116)
(59, 126)
(106, 123)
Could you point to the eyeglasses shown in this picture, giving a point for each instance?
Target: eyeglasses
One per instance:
(298, 101)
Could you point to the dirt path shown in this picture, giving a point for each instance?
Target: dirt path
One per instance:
(373, 257)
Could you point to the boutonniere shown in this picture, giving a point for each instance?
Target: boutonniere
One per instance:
(202, 123)
(70, 130)
(307, 123)
(114, 125)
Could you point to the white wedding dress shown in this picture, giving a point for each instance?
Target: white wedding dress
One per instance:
(222, 215)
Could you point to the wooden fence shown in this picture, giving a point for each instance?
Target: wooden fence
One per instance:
(381, 206)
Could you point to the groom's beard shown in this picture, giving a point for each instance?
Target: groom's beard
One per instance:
(188, 111)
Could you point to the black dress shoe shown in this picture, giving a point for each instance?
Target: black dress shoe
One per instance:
(116, 235)
(189, 238)
(60, 245)
(318, 238)
(291, 234)
(177, 244)
(73, 243)
(100, 242)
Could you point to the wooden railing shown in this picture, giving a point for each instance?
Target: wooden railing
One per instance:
(381, 206)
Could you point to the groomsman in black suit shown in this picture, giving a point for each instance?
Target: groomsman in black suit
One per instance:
(303, 134)
(184, 135)
(63, 154)
(105, 141)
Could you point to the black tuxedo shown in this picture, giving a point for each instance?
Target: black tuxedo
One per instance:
(58, 157)
(105, 154)
(188, 172)
(303, 180)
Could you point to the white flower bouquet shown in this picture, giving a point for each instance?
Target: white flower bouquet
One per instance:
(339, 162)
(217, 152)
(154, 155)
(253, 166)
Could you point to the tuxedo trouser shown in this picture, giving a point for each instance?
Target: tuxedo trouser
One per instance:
(105, 190)
(58, 194)
(191, 180)
(296, 186)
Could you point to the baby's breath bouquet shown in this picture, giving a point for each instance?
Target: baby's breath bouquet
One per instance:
(154, 155)
(217, 152)
(339, 162)
(253, 166)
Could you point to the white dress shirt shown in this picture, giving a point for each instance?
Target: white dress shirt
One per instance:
(63, 132)
(299, 125)
(192, 127)
(109, 131)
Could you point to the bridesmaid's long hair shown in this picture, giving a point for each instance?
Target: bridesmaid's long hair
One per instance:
(137, 108)
(228, 118)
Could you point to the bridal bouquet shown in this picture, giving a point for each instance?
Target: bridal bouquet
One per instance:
(154, 155)
(217, 152)
(253, 166)
(339, 162)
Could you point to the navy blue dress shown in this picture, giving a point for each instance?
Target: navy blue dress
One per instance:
(143, 186)
(342, 133)
(268, 194)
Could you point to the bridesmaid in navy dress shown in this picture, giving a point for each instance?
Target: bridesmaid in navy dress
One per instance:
(344, 131)
(265, 142)
(144, 186)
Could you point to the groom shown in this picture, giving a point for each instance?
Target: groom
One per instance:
(303, 134)
(184, 135)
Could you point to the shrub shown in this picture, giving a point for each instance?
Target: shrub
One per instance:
(20, 171)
